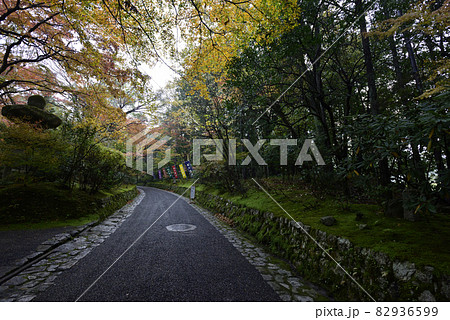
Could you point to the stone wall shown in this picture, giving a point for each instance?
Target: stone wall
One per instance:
(383, 278)
(109, 205)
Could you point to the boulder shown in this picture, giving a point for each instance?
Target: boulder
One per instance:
(328, 221)
(427, 296)
(404, 270)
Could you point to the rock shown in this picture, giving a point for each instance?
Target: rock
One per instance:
(285, 297)
(37, 101)
(445, 288)
(295, 283)
(17, 280)
(343, 244)
(26, 298)
(328, 221)
(425, 276)
(381, 258)
(404, 270)
(363, 226)
(33, 255)
(427, 296)
(303, 298)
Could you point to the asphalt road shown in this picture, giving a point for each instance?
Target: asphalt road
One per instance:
(197, 265)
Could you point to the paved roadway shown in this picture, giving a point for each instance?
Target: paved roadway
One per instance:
(197, 265)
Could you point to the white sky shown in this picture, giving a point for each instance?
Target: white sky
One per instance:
(161, 75)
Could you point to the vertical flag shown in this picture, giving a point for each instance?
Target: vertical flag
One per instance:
(169, 173)
(189, 167)
(183, 173)
(164, 172)
(159, 173)
(175, 171)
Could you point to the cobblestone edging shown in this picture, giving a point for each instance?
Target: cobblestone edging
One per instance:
(288, 286)
(386, 279)
(59, 256)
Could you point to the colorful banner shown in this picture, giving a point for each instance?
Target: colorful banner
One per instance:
(164, 172)
(159, 174)
(189, 168)
(174, 168)
(183, 173)
(169, 172)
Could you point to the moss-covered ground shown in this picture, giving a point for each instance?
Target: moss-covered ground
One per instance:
(424, 242)
(46, 205)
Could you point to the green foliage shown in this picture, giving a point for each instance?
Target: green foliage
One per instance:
(101, 168)
(33, 154)
(410, 141)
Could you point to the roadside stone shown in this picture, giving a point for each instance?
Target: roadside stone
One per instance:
(363, 226)
(36, 269)
(427, 296)
(16, 281)
(43, 247)
(26, 298)
(403, 270)
(33, 256)
(31, 284)
(275, 286)
(67, 265)
(328, 221)
(424, 276)
(303, 298)
(294, 282)
(42, 287)
(52, 268)
(285, 272)
(445, 288)
(41, 274)
(267, 277)
(284, 285)
(285, 297)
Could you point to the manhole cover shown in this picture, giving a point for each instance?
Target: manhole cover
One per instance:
(181, 227)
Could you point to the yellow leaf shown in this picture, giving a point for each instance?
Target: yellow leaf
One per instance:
(408, 176)
(431, 133)
(357, 150)
(429, 146)
(395, 154)
(417, 209)
(356, 172)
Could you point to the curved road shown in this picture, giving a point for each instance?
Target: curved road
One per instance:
(197, 265)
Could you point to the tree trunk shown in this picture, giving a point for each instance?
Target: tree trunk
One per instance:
(373, 97)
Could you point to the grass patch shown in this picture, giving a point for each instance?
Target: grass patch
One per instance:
(423, 242)
(46, 205)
